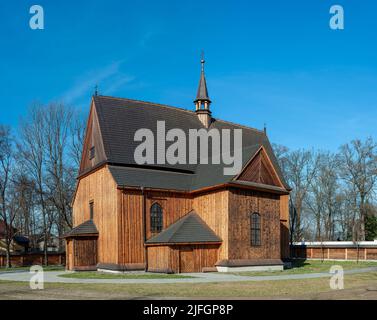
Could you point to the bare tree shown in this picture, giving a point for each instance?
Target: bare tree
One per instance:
(300, 168)
(322, 198)
(358, 168)
(60, 171)
(32, 150)
(7, 214)
(346, 214)
(26, 221)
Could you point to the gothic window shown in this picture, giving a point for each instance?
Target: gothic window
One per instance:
(156, 218)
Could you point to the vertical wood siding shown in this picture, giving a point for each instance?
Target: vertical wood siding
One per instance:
(260, 170)
(85, 252)
(188, 258)
(174, 206)
(284, 226)
(213, 208)
(100, 187)
(241, 204)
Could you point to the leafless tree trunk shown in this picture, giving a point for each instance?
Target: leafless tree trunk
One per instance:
(7, 215)
(32, 149)
(358, 163)
(299, 168)
(58, 119)
(24, 189)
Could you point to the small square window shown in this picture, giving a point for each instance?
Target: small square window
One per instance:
(92, 153)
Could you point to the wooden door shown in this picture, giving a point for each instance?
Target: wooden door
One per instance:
(186, 261)
(85, 252)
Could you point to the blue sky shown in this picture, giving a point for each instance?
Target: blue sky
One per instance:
(274, 62)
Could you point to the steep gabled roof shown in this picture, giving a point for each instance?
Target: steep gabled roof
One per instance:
(119, 119)
(189, 229)
(86, 228)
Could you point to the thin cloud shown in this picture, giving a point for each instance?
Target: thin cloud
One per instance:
(86, 84)
(117, 83)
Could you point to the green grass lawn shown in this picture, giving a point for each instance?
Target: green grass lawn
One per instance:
(357, 286)
(45, 268)
(104, 275)
(311, 266)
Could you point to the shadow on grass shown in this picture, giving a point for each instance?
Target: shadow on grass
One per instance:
(299, 263)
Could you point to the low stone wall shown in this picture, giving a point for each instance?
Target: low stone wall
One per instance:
(29, 259)
(335, 250)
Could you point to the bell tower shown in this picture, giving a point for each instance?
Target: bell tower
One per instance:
(202, 101)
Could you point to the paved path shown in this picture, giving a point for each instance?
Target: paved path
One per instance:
(53, 276)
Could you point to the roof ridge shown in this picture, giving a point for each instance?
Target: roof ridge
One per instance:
(150, 103)
(180, 109)
(240, 125)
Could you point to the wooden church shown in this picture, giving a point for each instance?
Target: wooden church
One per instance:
(174, 218)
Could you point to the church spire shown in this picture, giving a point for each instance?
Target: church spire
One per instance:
(202, 101)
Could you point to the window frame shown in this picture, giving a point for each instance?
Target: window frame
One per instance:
(91, 209)
(156, 218)
(255, 230)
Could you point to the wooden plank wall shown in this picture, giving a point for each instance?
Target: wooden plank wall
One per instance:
(182, 258)
(174, 206)
(241, 204)
(26, 259)
(333, 253)
(202, 256)
(260, 170)
(100, 188)
(69, 254)
(213, 208)
(284, 226)
(131, 242)
(158, 258)
(85, 252)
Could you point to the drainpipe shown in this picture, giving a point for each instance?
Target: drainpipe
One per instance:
(144, 229)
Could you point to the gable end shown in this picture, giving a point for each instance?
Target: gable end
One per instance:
(260, 170)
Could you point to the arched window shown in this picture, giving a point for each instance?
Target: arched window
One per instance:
(255, 229)
(156, 218)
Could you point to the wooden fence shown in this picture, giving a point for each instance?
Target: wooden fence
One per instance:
(29, 259)
(335, 250)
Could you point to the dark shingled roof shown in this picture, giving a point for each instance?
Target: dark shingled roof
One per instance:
(189, 229)
(86, 228)
(120, 118)
(151, 178)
